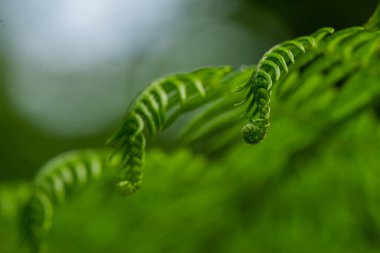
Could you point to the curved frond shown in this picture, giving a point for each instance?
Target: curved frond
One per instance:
(319, 61)
(155, 109)
(59, 179)
(269, 69)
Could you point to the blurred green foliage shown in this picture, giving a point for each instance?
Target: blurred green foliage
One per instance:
(189, 204)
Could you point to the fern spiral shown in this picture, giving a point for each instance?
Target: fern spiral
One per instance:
(267, 71)
(153, 110)
(59, 179)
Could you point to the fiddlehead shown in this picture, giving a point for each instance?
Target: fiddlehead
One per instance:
(323, 59)
(269, 70)
(59, 179)
(156, 108)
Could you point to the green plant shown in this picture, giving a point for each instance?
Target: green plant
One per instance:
(319, 78)
(155, 109)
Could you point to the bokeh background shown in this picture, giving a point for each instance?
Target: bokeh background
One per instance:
(69, 69)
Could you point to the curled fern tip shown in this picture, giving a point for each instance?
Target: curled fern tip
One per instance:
(126, 188)
(253, 133)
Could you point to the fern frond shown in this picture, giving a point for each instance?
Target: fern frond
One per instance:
(155, 109)
(332, 70)
(269, 69)
(320, 62)
(59, 179)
